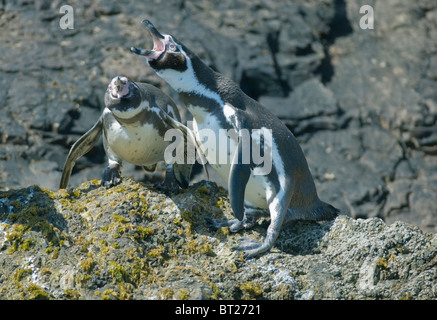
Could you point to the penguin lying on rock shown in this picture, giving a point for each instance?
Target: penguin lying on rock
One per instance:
(134, 122)
(287, 190)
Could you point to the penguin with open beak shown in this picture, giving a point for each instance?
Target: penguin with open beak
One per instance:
(286, 189)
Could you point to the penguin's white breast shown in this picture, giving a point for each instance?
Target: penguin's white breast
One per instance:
(207, 126)
(139, 145)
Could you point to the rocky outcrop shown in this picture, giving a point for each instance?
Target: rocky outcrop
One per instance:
(134, 242)
(362, 103)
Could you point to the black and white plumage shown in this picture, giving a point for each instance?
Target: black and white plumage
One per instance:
(134, 122)
(287, 190)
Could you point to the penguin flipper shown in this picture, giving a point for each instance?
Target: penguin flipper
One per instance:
(188, 137)
(79, 148)
(182, 171)
(238, 177)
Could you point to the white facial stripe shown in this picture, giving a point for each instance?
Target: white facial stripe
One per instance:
(187, 81)
(131, 112)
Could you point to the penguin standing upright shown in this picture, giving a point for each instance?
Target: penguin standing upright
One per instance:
(287, 190)
(134, 122)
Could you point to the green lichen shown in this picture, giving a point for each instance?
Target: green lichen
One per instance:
(35, 292)
(117, 272)
(188, 216)
(166, 294)
(109, 294)
(87, 264)
(215, 295)
(20, 273)
(156, 252)
(183, 294)
(206, 249)
(125, 290)
(120, 219)
(382, 263)
(203, 190)
(251, 290)
(15, 237)
(72, 294)
(143, 233)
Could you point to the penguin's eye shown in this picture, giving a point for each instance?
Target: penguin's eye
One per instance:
(172, 47)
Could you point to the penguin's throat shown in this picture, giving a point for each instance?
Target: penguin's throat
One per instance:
(118, 91)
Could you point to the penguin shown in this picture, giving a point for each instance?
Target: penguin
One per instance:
(287, 191)
(134, 122)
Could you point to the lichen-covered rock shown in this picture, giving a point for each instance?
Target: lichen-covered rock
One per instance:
(134, 242)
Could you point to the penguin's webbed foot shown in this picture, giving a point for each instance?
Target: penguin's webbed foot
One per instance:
(234, 225)
(169, 185)
(111, 177)
(251, 248)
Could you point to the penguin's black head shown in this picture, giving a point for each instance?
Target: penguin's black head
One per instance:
(122, 97)
(167, 52)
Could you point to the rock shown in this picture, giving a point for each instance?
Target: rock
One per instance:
(362, 103)
(133, 242)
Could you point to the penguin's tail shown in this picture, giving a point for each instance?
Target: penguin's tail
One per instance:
(319, 211)
(325, 211)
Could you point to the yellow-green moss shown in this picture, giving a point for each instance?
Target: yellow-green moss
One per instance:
(223, 231)
(109, 294)
(120, 219)
(27, 244)
(14, 236)
(35, 292)
(166, 294)
(125, 289)
(117, 272)
(203, 190)
(251, 289)
(407, 296)
(183, 294)
(156, 253)
(20, 273)
(87, 264)
(72, 294)
(205, 248)
(215, 292)
(188, 216)
(382, 263)
(17, 205)
(55, 254)
(142, 233)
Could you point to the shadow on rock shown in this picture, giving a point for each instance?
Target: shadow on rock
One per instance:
(29, 218)
(302, 237)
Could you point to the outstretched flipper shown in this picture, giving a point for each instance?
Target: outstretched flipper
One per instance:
(238, 177)
(79, 148)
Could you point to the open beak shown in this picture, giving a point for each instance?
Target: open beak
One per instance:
(119, 87)
(158, 43)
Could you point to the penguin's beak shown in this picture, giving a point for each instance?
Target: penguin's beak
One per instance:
(158, 43)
